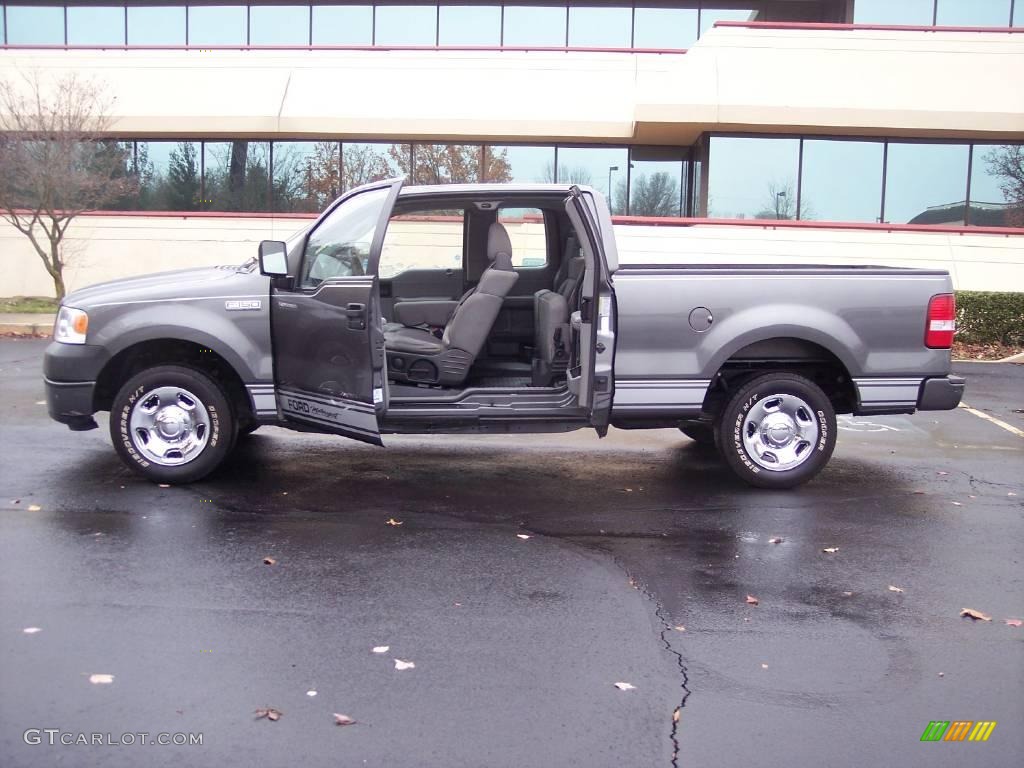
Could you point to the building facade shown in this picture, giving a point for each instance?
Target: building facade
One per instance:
(846, 131)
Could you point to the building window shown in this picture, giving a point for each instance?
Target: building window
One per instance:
(96, 25)
(470, 25)
(972, 13)
(606, 27)
(406, 25)
(656, 182)
(35, 25)
(446, 164)
(841, 180)
(164, 25)
(709, 16)
(664, 28)
(926, 183)
(279, 25)
(342, 25)
(752, 178)
(362, 163)
(237, 175)
(1018, 13)
(217, 25)
(170, 175)
(918, 13)
(603, 168)
(306, 175)
(997, 185)
(535, 26)
(529, 165)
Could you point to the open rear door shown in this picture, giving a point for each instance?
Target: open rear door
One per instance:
(595, 318)
(329, 361)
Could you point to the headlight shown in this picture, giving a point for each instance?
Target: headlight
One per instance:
(71, 326)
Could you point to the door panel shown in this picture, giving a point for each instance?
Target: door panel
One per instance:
(419, 284)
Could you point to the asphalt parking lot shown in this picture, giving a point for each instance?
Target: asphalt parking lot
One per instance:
(527, 576)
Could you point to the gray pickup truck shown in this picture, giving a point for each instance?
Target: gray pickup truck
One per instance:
(495, 308)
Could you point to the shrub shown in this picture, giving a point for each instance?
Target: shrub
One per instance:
(987, 317)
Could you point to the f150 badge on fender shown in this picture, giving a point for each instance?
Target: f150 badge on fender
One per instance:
(236, 305)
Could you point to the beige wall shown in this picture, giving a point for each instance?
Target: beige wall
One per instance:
(109, 247)
(865, 82)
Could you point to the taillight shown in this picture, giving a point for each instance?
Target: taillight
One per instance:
(941, 322)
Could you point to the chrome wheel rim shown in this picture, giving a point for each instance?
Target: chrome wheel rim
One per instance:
(169, 426)
(779, 432)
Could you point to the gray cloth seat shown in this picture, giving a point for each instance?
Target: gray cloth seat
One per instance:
(417, 355)
(551, 318)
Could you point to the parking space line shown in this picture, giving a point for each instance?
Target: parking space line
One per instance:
(982, 415)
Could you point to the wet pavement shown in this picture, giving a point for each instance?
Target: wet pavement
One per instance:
(517, 642)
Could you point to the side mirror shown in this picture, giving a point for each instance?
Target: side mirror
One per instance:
(273, 258)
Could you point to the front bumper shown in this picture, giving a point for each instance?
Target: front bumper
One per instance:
(70, 372)
(942, 394)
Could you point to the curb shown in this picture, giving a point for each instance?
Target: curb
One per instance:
(26, 329)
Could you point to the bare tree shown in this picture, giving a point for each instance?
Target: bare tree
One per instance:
(1006, 163)
(780, 203)
(56, 162)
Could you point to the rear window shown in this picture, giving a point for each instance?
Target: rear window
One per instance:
(429, 239)
(525, 228)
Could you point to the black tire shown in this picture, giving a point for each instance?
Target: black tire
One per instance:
(730, 430)
(220, 433)
(702, 434)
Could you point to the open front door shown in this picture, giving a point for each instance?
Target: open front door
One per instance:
(595, 318)
(329, 362)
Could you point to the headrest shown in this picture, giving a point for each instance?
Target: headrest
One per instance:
(499, 246)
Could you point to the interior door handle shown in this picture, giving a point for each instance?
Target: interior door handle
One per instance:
(355, 310)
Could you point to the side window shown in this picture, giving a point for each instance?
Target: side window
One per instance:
(340, 245)
(423, 240)
(525, 228)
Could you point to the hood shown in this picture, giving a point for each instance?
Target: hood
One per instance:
(182, 283)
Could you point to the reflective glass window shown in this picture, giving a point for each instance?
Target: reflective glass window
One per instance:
(169, 175)
(525, 227)
(973, 13)
(470, 25)
(237, 175)
(307, 175)
(1018, 14)
(708, 16)
(599, 27)
(997, 185)
(664, 27)
(842, 180)
(35, 25)
(362, 163)
(216, 25)
(3, 28)
(162, 25)
(655, 184)
(542, 26)
(95, 25)
(522, 164)
(279, 25)
(913, 12)
(342, 25)
(752, 178)
(423, 239)
(599, 167)
(446, 163)
(406, 25)
(340, 244)
(926, 183)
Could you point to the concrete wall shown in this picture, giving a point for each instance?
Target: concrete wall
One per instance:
(109, 247)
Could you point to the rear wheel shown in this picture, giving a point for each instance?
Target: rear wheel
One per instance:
(778, 431)
(172, 424)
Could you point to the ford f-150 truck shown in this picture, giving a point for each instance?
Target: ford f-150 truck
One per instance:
(495, 308)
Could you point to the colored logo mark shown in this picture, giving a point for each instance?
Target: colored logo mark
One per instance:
(958, 730)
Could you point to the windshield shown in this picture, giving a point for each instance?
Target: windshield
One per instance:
(340, 245)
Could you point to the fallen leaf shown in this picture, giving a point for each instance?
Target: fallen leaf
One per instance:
(392, 521)
(942, 473)
(675, 716)
(830, 550)
(625, 686)
(101, 679)
(340, 719)
(680, 628)
(31, 630)
(1011, 493)
(764, 666)
(627, 490)
(751, 600)
(956, 503)
(919, 493)
(268, 712)
(311, 693)
(381, 648)
(400, 665)
(775, 540)
(1009, 623)
(895, 589)
(976, 615)
(269, 561)
(164, 485)
(34, 508)
(847, 594)
(523, 536)
(40, 402)
(942, 674)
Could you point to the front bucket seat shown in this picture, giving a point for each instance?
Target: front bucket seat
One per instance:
(417, 355)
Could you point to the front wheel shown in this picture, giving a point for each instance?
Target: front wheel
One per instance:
(778, 431)
(172, 424)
